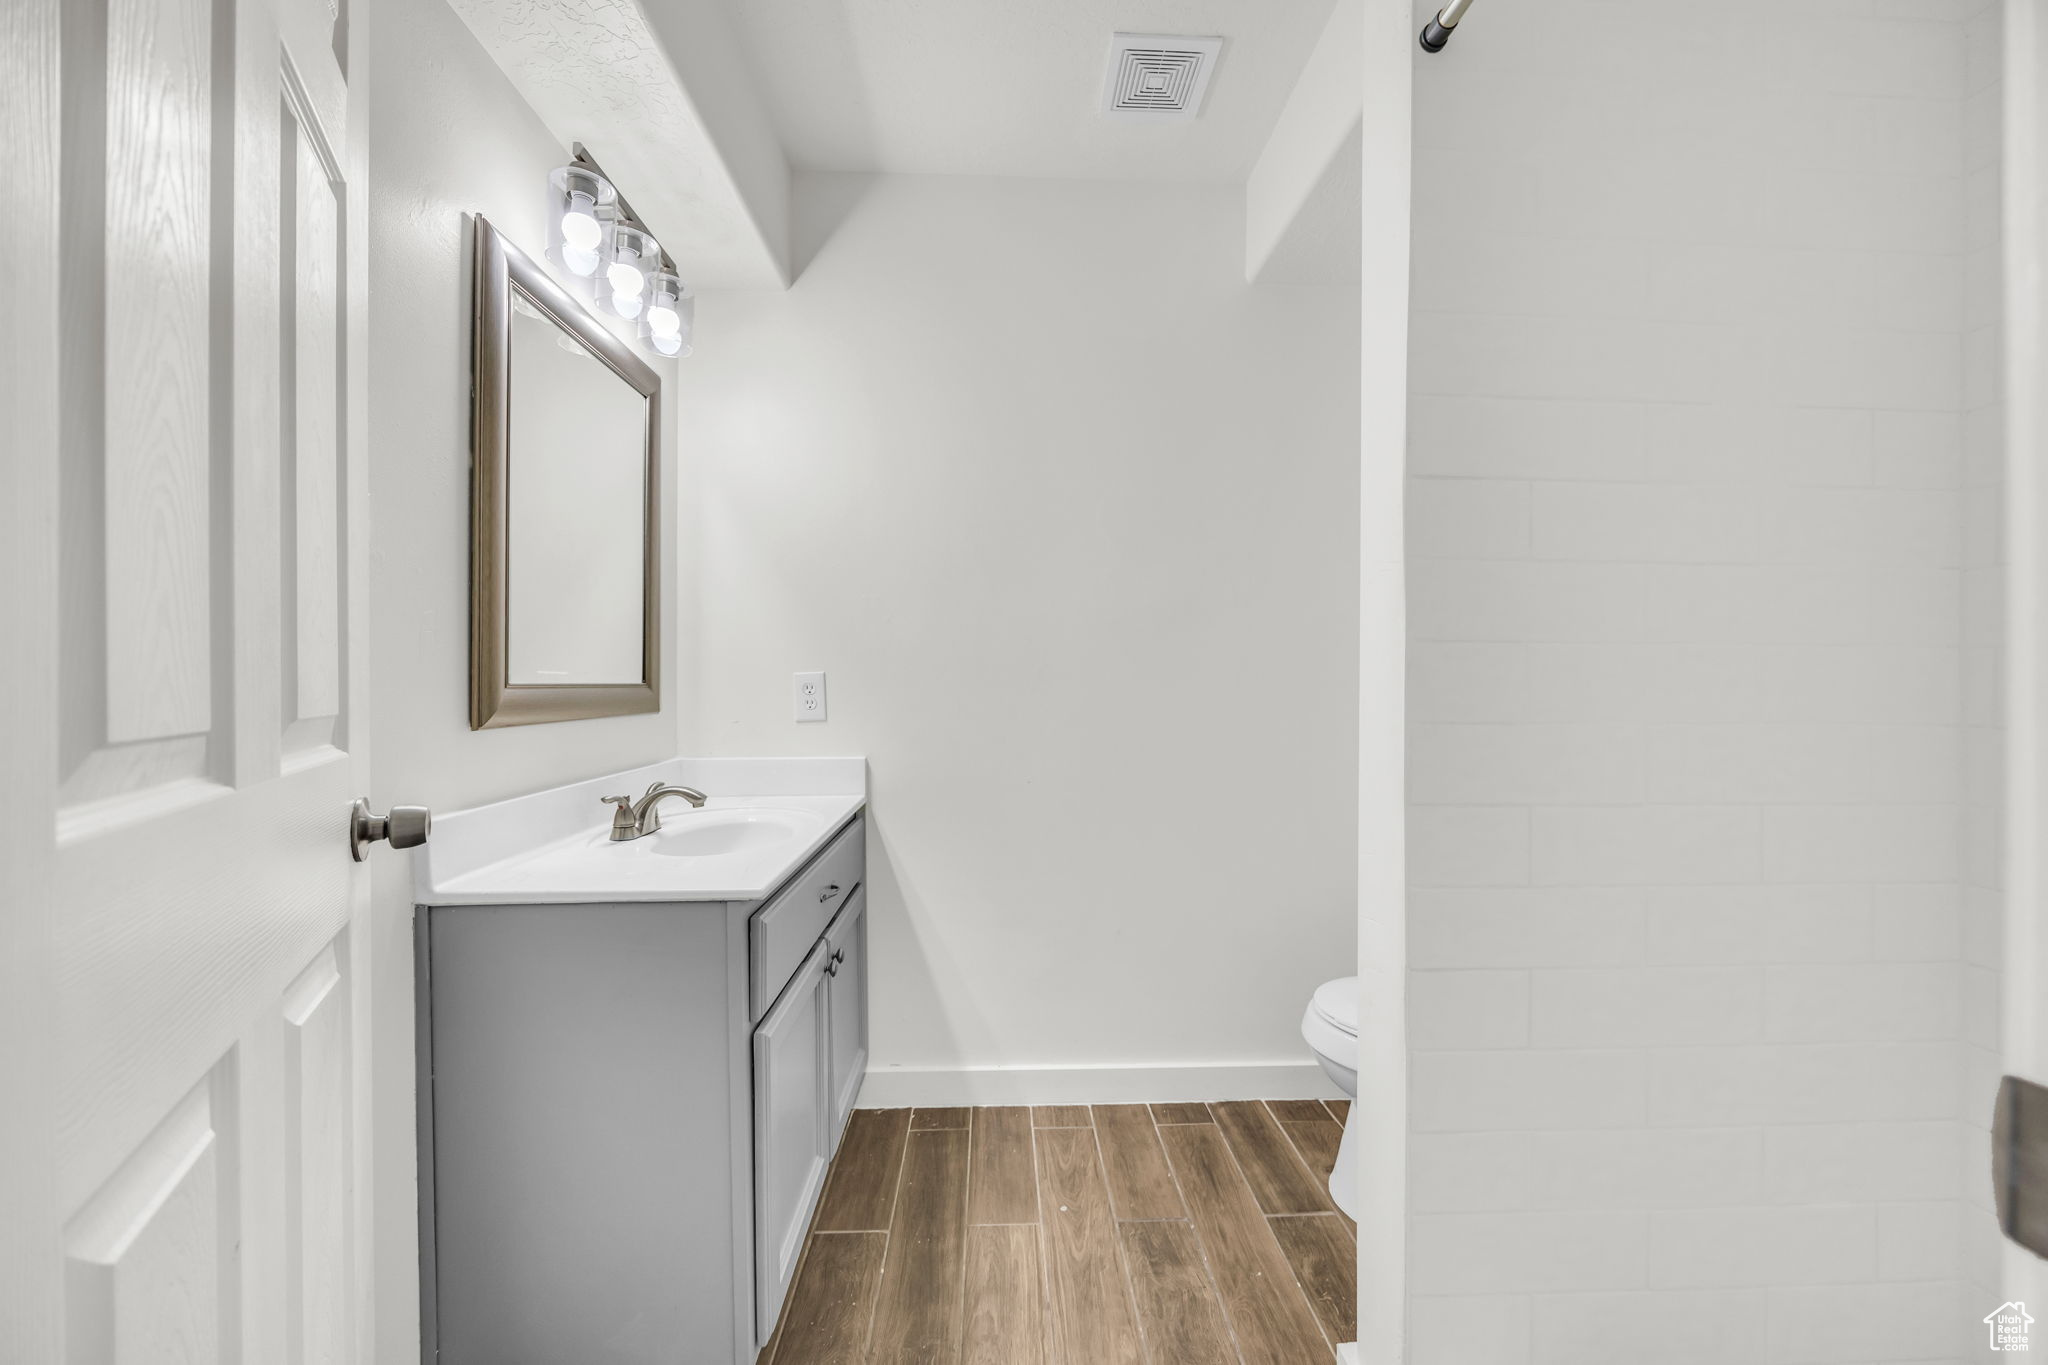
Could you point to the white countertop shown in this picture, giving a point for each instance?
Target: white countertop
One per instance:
(554, 847)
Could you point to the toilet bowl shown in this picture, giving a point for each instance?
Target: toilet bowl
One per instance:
(1331, 1028)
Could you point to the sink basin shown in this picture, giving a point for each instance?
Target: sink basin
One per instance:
(709, 833)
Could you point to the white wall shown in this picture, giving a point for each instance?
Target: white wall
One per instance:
(1067, 512)
(1380, 1120)
(449, 138)
(1686, 741)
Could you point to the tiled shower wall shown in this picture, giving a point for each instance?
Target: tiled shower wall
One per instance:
(1983, 652)
(1694, 388)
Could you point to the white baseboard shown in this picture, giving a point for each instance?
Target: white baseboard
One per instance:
(903, 1087)
(1347, 1353)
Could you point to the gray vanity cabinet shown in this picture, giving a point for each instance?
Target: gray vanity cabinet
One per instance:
(848, 992)
(626, 1115)
(810, 1054)
(793, 1130)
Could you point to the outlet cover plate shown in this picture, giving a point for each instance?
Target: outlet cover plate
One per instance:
(808, 696)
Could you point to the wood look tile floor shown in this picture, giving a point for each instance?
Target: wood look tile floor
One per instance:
(1112, 1234)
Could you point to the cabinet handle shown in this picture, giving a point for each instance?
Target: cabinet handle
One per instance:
(828, 893)
(832, 967)
(838, 955)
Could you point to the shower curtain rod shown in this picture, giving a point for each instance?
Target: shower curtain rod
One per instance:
(1437, 31)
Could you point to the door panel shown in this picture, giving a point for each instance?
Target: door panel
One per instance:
(188, 1169)
(319, 1066)
(311, 560)
(848, 992)
(138, 526)
(792, 1144)
(148, 1262)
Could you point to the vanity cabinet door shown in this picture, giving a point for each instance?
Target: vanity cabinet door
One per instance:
(848, 994)
(793, 1133)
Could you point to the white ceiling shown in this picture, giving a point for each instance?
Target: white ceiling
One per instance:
(1014, 87)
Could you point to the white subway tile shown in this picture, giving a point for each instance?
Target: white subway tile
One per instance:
(1814, 763)
(1983, 926)
(1479, 1091)
(1878, 526)
(1510, 600)
(1889, 289)
(1647, 1007)
(1553, 277)
(1467, 1010)
(1505, 927)
(1914, 60)
(1727, 1248)
(1979, 989)
(1918, 450)
(1682, 1327)
(1646, 523)
(1866, 684)
(1852, 843)
(1468, 1329)
(1736, 284)
(1468, 1172)
(1467, 519)
(1919, 1241)
(1818, 1163)
(1860, 211)
(1645, 1168)
(1841, 1324)
(1468, 845)
(1743, 441)
(1449, 682)
(1882, 1001)
(1474, 437)
(1564, 683)
(1514, 1253)
(1448, 764)
(1788, 1084)
(1644, 845)
(1703, 925)
(1981, 1257)
(1508, 356)
(1802, 605)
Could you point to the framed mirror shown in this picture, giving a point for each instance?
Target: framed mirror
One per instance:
(565, 526)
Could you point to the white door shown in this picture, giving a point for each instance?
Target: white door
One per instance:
(183, 1171)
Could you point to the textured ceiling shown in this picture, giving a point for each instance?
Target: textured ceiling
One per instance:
(1014, 87)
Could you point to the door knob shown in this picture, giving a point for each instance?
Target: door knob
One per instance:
(405, 827)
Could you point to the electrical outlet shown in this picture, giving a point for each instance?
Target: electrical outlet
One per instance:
(810, 696)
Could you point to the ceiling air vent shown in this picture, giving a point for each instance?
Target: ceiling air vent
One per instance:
(1153, 76)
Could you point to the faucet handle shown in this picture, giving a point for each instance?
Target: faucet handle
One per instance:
(624, 826)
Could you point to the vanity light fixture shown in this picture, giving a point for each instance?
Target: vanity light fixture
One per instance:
(594, 234)
(671, 313)
(581, 206)
(634, 256)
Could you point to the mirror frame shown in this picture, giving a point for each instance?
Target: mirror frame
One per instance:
(494, 700)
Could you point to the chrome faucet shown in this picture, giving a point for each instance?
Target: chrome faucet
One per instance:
(638, 819)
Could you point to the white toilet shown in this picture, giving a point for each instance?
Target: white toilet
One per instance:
(1331, 1028)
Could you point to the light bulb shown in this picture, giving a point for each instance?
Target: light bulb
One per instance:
(668, 343)
(580, 261)
(627, 281)
(664, 321)
(580, 229)
(626, 305)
